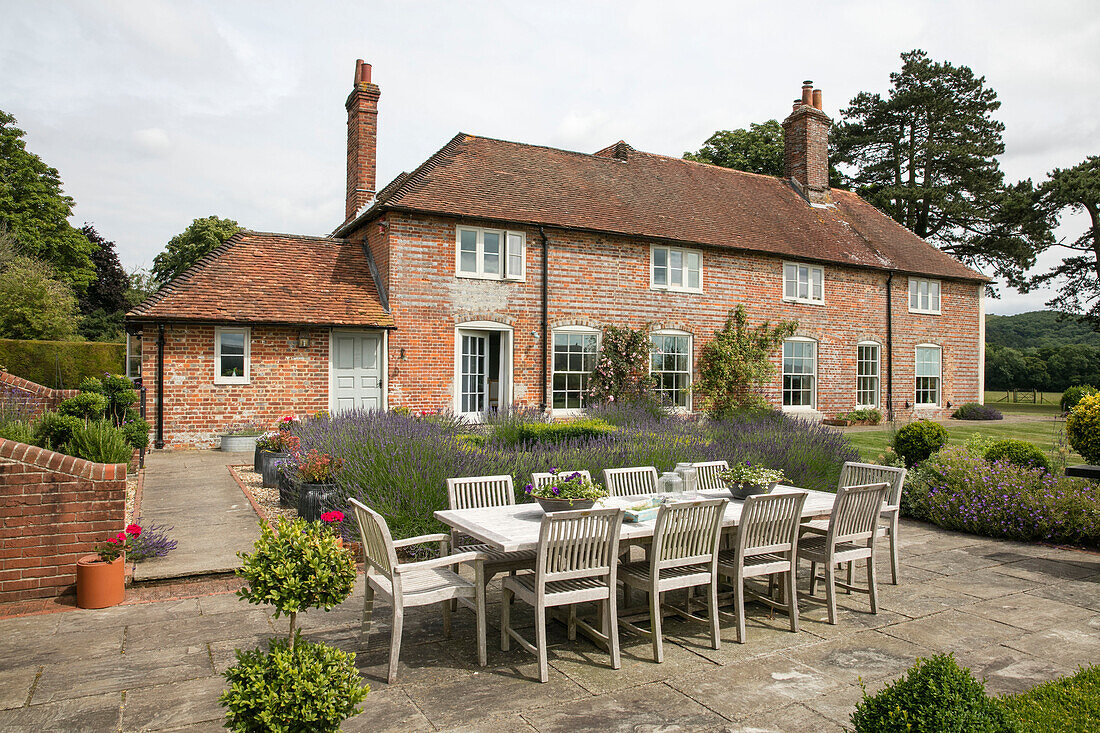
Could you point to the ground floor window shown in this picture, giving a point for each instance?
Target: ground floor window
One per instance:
(133, 355)
(928, 376)
(799, 372)
(574, 359)
(670, 365)
(867, 374)
(231, 355)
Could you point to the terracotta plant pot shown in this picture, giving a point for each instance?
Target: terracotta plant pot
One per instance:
(99, 584)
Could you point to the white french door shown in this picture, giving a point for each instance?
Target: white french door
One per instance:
(483, 369)
(474, 373)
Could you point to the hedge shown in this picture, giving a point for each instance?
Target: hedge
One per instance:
(61, 364)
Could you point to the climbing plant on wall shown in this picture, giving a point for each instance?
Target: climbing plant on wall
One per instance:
(622, 367)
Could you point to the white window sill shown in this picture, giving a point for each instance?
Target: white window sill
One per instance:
(925, 313)
(673, 289)
(804, 301)
(798, 408)
(495, 278)
(230, 382)
(567, 412)
(923, 406)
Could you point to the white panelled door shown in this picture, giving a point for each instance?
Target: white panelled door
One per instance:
(357, 370)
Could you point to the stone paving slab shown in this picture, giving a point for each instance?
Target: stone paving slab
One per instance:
(1018, 615)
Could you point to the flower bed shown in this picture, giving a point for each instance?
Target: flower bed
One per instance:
(397, 464)
(957, 489)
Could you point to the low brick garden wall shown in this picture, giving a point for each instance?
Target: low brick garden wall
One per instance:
(53, 510)
(34, 395)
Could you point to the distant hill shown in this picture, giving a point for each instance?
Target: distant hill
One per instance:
(1037, 329)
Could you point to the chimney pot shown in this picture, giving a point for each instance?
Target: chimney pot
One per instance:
(817, 99)
(808, 93)
(797, 104)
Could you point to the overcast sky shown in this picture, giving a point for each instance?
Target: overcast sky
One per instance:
(156, 113)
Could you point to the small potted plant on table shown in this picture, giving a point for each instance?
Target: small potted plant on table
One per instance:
(566, 491)
(745, 479)
(100, 578)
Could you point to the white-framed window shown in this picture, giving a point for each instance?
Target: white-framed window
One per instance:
(133, 355)
(672, 268)
(799, 373)
(490, 254)
(670, 365)
(232, 355)
(575, 352)
(924, 296)
(929, 376)
(803, 283)
(867, 374)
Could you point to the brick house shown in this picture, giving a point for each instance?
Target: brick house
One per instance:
(481, 279)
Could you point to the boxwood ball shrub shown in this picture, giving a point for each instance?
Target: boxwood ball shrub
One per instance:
(936, 695)
(1073, 395)
(86, 405)
(1020, 452)
(974, 411)
(1083, 428)
(918, 440)
(53, 430)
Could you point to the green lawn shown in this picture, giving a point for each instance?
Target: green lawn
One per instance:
(1049, 403)
(872, 443)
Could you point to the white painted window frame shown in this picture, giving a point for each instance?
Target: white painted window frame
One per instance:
(505, 240)
(218, 378)
(878, 375)
(507, 362)
(668, 286)
(938, 310)
(587, 330)
(130, 338)
(690, 359)
(939, 379)
(812, 407)
(809, 283)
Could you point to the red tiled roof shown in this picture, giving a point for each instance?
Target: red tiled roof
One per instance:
(624, 191)
(258, 277)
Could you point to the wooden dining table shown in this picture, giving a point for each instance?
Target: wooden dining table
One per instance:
(515, 527)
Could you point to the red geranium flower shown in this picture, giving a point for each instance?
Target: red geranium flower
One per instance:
(333, 516)
(133, 529)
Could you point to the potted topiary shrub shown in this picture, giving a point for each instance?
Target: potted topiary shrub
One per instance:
(100, 578)
(296, 685)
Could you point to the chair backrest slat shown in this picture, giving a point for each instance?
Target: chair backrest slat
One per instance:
(378, 550)
(769, 523)
(862, 474)
(542, 478)
(686, 533)
(856, 512)
(477, 492)
(630, 481)
(708, 474)
(578, 544)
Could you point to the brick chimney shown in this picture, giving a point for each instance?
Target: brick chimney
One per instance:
(806, 146)
(362, 108)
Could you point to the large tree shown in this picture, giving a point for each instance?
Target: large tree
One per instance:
(757, 149)
(105, 301)
(191, 245)
(34, 303)
(926, 154)
(1078, 275)
(35, 209)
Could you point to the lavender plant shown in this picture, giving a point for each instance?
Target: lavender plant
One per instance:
(152, 541)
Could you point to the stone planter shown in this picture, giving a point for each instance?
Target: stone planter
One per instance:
(315, 499)
(99, 584)
(564, 505)
(744, 490)
(268, 470)
(238, 443)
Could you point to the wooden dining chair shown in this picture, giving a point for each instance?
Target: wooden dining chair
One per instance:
(542, 478)
(684, 554)
(478, 492)
(853, 527)
(708, 474)
(765, 544)
(630, 481)
(576, 563)
(414, 583)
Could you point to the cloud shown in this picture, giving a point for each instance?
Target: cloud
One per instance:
(153, 141)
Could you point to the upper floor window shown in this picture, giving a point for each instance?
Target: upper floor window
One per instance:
(804, 283)
(670, 365)
(491, 254)
(799, 373)
(929, 376)
(924, 296)
(676, 269)
(867, 374)
(575, 352)
(231, 355)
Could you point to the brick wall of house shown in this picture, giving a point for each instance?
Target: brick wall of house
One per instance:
(284, 379)
(597, 280)
(35, 397)
(54, 509)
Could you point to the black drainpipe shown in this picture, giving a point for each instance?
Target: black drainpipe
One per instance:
(160, 386)
(889, 347)
(545, 314)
